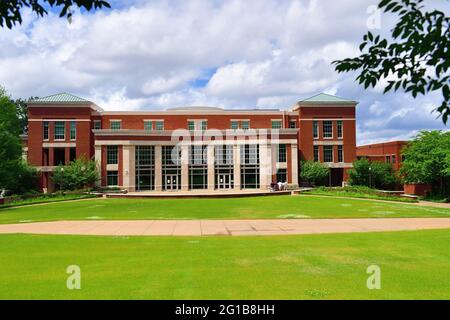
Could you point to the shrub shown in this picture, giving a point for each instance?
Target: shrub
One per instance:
(314, 172)
(427, 160)
(79, 174)
(372, 174)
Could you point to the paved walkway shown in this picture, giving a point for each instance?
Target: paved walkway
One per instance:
(225, 227)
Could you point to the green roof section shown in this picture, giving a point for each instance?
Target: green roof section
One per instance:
(61, 98)
(323, 98)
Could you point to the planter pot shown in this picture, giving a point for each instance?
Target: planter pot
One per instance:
(417, 189)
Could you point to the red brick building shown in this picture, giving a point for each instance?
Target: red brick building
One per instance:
(389, 152)
(192, 147)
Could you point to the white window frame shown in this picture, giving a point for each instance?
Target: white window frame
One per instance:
(276, 120)
(342, 129)
(318, 129)
(323, 129)
(115, 120)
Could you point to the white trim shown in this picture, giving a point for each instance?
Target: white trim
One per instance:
(328, 143)
(59, 145)
(327, 119)
(203, 113)
(62, 120)
(173, 143)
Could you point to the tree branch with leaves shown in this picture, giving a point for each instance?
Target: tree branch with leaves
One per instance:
(416, 60)
(11, 10)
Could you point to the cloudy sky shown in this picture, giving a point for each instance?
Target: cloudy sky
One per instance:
(156, 54)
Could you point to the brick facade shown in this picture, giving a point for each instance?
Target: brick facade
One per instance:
(295, 136)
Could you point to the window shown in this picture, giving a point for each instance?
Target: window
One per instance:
(73, 130)
(234, 125)
(277, 124)
(281, 153)
(115, 124)
(282, 175)
(245, 125)
(159, 125)
(224, 155)
(60, 129)
(250, 154)
(327, 153)
(59, 156)
(316, 129)
(340, 154)
(339, 129)
(191, 125)
(250, 167)
(204, 125)
(148, 125)
(112, 178)
(145, 168)
(112, 155)
(328, 129)
(316, 153)
(73, 154)
(292, 124)
(45, 130)
(197, 155)
(388, 159)
(97, 124)
(393, 159)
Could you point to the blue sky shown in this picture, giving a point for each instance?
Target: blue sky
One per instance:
(235, 54)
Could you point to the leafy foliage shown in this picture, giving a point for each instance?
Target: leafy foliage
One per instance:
(314, 172)
(418, 58)
(15, 175)
(79, 174)
(372, 174)
(10, 10)
(8, 114)
(427, 160)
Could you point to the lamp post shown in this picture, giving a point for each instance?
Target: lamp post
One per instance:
(62, 179)
(370, 177)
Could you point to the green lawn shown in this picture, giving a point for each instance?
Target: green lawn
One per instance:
(238, 208)
(414, 265)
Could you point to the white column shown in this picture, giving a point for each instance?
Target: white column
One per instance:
(184, 167)
(98, 161)
(265, 158)
(211, 162)
(294, 163)
(237, 166)
(158, 168)
(129, 168)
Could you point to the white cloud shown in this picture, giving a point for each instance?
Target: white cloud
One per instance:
(165, 53)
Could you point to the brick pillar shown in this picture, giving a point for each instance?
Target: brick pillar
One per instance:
(211, 162)
(237, 166)
(98, 161)
(158, 168)
(129, 167)
(265, 158)
(184, 167)
(294, 163)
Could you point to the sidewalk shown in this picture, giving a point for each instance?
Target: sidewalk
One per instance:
(224, 227)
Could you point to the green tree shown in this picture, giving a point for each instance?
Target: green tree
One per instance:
(372, 174)
(314, 172)
(11, 10)
(427, 160)
(8, 114)
(416, 60)
(15, 175)
(79, 174)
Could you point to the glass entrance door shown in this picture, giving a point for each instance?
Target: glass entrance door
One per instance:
(225, 181)
(172, 182)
